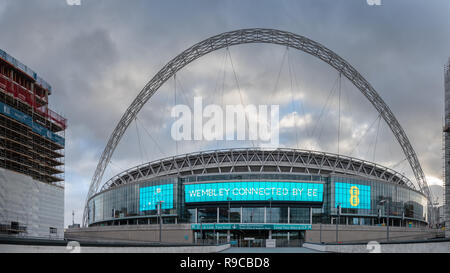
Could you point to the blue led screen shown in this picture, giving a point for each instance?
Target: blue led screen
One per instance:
(254, 191)
(354, 196)
(150, 196)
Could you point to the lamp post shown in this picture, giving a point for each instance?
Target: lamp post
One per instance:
(388, 213)
(215, 237)
(403, 214)
(320, 232)
(229, 208)
(270, 209)
(158, 206)
(229, 217)
(379, 216)
(337, 221)
(201, 227)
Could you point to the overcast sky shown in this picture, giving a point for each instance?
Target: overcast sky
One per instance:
(99, 55)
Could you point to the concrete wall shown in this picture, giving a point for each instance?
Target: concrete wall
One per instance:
(89, 249)
(373, 247)
(355, 233)
(182, 233)
(172, 233)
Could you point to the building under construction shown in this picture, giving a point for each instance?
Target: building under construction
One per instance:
(31, 154)
(447, 149)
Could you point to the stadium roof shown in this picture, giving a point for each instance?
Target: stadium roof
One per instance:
(257, 160)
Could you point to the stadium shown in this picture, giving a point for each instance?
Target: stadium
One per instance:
(236, 194)
(246, 196)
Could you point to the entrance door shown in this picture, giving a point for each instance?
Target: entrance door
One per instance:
(250, 238)
(296, 238)
(257, 238)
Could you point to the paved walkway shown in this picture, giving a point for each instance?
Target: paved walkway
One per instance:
(269, 250)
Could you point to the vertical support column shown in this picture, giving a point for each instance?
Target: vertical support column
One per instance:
(217, 220)
(320, 232)
(310, 215)
(289, 215)
(265, 214)
(34, 97)
(46, 96)
(241, 215)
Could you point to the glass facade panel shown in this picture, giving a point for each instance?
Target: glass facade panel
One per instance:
(299, 215)
(361, 202)
(128, 200)
(376, 198)
(319, 216)
(252, 215)
(235, 215)
(207, 215)
(191, 214)
(277, 215)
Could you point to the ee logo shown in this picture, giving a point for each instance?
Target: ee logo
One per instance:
(73, 2)
(374, 2)
(354, 193)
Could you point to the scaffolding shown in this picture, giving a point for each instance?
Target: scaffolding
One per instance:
(446, 131)
(31, 135)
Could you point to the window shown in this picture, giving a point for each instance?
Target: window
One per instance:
(207, 215)
(299, 215)
(276, 215)
(235, 215)
(253, 215)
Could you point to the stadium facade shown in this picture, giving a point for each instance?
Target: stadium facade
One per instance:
(237, 194)
(31, 154)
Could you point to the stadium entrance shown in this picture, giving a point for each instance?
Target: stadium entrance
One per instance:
(250, 237)
(257, 238)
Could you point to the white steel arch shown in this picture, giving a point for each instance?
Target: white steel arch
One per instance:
(257, 35)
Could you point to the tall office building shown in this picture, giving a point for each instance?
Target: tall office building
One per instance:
(31, 154)
(447, 149)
